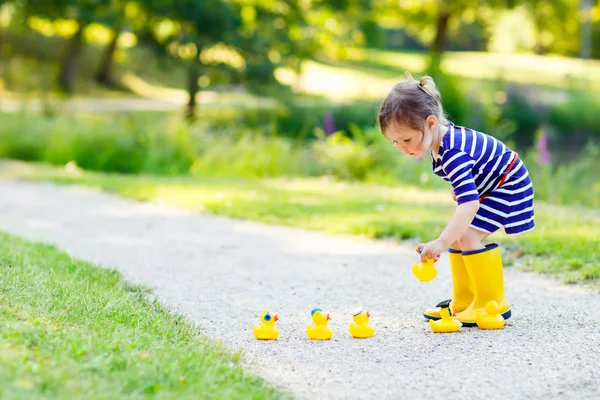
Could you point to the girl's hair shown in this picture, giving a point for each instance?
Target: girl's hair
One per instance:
(410, 103)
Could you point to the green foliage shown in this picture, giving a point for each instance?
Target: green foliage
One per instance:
(374, 34)
(519, 120)
(73, 330)
(343, 157)
(574, 122)
(575, 182)
(596, 39)
(125, 144)
(298, 121)
(454, 100)
(249, 154)
(149, 143)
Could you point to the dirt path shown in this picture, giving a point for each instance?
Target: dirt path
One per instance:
(222, 273)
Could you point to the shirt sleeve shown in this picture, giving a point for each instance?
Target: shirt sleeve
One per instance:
(457, 165)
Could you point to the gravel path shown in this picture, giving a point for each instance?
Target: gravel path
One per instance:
(222, 273)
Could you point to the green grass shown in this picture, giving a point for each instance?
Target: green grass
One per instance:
(71, 330)
(557, 71)
(370, 73)
(564, 244)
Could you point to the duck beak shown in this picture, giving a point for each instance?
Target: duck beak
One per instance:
(328, 317)
(368, 314)
(276, 318)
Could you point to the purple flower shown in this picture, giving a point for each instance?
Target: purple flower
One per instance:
(544, 152)
(328, 124)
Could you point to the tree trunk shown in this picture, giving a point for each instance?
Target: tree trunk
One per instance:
(586, 29)
(538, 27)
(193, 87)
(104, 73)
(441, 38)
(66, 76)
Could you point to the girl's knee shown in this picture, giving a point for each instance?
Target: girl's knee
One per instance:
(470, 240)
(456, 246)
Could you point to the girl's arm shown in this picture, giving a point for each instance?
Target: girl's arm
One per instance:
(457, 226)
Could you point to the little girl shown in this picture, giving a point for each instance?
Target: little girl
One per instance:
(490, 184)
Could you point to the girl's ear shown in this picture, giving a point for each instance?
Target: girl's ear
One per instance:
(431, 121)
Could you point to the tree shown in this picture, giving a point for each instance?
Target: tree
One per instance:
(271, 36)
(194, 26)
(434, 20)
(83, 12)
(553, 30)
(116, 19)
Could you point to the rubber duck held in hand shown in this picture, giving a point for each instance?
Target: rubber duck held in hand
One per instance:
(361, 328)
(447, 323)
(319, 330)
(425, 270)
(491, 318)
(266, 330)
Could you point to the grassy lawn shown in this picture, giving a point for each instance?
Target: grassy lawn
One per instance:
(71, 330)
(370, 73)
(565, 243)
(557, 71)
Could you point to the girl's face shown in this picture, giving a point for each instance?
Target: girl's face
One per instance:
(409, 141)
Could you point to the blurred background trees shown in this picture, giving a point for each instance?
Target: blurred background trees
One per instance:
(269, 34)
(525, 71)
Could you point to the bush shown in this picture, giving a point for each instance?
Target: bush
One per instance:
(576, 182)
(455, 102)
(343, 157)
(24, 138)
(574, 123)
(158, 144)
(519, 120)
(125, 144)
(299, 121)
(249, 154)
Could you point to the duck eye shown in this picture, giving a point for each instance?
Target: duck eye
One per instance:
(267, 317)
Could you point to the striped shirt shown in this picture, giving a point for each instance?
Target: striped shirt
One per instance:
(472, 162)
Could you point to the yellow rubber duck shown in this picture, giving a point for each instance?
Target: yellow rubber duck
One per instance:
(447, 323)
(319, 330)
(491, 318)
(361, 328)
(266, 330)
(425, 271)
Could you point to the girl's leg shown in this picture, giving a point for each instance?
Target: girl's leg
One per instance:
(471, 240)
(484, 268)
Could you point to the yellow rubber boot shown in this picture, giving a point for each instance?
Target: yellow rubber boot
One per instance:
(462, 287)
(485, 269)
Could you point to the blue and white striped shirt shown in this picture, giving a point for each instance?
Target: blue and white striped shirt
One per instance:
(472, 162)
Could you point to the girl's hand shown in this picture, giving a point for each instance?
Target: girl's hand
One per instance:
(432, 249)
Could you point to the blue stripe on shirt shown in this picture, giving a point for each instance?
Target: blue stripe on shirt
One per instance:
(472, 162)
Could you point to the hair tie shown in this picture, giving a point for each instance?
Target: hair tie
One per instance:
(419, 84)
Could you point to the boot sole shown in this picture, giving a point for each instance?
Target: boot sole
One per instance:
(431, 317)
(505, 315)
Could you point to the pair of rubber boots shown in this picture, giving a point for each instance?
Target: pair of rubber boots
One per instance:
(477, 278)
